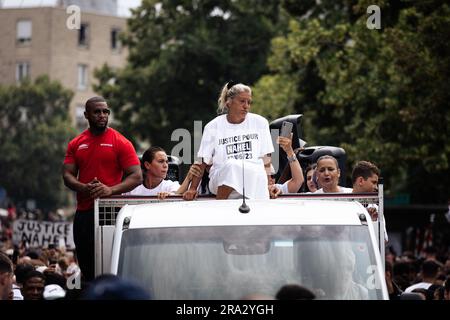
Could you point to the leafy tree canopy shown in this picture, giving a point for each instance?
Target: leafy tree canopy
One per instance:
(180, 55)
(380, 94)
(35, 129)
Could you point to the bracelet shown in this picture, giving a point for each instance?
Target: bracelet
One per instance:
(292, 159)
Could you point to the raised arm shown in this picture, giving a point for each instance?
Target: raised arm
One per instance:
(297, 179)
(194, 171)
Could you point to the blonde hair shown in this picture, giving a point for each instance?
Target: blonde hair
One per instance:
(229, 91)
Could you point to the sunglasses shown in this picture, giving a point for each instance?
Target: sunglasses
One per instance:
(100, 111)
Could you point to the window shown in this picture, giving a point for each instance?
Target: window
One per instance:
(82, 76)
(24, 31)
(22, 71)
(116, 44)
(83, 35)
(23, 114)
(335, 259)
(80, 120)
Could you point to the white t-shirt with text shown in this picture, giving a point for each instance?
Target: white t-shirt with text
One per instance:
(225, 145)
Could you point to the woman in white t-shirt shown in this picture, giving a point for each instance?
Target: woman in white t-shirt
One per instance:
(234, 140)
(328, 174)
(155, 165)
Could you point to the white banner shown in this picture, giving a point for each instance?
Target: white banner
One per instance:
(42, 233)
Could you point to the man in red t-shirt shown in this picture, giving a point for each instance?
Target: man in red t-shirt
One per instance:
(99, 162)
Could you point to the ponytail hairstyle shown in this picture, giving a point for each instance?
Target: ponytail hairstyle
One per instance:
(229, 91)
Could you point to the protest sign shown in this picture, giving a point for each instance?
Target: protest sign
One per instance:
(42, 233)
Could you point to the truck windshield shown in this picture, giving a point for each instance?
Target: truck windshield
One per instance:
(231, 262)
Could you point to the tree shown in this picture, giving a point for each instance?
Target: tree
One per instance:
(380, 94)
(180, 55)
(35, 129)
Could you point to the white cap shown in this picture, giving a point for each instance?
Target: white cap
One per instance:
(41, 269)
(53, 291)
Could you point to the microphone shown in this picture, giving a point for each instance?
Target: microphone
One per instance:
(244, 208)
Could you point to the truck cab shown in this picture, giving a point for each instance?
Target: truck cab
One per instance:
(208, 249)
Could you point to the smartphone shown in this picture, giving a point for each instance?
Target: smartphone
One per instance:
(286, 129)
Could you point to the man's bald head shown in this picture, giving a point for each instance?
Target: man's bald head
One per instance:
(93, 101)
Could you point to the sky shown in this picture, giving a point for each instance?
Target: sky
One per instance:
(124, 5)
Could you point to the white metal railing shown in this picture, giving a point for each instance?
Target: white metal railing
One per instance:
(106, 209)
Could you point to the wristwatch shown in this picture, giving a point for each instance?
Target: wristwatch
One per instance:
(292, 159)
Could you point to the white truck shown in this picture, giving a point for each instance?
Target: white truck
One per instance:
(208, 249)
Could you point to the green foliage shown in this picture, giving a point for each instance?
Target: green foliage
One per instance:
(181, 53)
(275, 96)
(35, 129)
(380, 94)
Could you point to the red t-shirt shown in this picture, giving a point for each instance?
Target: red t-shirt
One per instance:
(104, 156)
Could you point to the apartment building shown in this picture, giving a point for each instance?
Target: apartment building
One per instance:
(42, 40)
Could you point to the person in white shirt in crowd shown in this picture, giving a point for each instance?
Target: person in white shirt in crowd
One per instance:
(328, 174)
(429, 273)
(292, 185)
(155, 165)
(72, 265)
(236, 146)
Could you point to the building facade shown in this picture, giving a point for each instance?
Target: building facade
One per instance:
(108, 7)
(48, 40)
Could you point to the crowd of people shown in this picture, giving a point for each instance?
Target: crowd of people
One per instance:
(51, 273)
(38, 273)
(418, 278)
(235, 154)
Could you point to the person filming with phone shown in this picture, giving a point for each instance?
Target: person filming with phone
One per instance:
(292, 185)
(235, 146)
